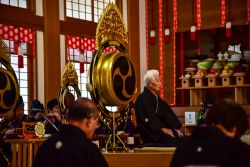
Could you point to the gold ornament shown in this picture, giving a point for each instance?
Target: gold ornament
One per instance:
(39, 129)
(69, 78)
(9, 85)
(111, 27)
(69, 75)
(4, 52)
(116, 79)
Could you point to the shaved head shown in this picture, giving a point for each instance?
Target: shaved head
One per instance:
(82, 108)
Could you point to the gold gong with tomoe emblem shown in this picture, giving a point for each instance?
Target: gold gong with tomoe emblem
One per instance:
(112, 79)
(117, 79)
(9, 88)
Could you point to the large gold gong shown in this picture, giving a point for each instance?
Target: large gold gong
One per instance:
(112, 80)
(9, 88)
(117, 79)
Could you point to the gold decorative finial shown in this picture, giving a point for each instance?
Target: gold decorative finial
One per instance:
(69, 75)
(4, 51)
(111, 27)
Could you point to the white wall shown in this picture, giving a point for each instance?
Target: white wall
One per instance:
(62, 37)
(39, 7)
(142, 22)
(40, 55)
(61, 9)
(125, 13)
(62, 52)
(40, 66)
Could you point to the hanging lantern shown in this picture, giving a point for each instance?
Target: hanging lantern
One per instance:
(20, 57)
(81, 59)
(152, 37)
(193, 33)
(228, 29)
(167, 35)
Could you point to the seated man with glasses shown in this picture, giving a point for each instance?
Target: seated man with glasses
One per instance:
(71, 146)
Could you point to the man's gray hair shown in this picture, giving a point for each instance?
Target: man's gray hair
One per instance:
(150, 76)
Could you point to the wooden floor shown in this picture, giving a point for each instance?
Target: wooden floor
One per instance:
(139, 159)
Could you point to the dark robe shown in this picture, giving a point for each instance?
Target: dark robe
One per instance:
(152, 114)
(17, 123)
(69, 147)
(208, 146)
(49, 129)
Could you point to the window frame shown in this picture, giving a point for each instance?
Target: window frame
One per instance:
(30, 73)
(92, 11)
(29, 4)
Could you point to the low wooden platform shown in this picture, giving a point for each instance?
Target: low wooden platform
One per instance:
(140, 159)
(24, 151)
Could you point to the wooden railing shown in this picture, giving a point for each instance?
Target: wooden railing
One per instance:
(24, 151)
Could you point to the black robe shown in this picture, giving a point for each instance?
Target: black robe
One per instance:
(150, 119)
(208, 146)
(49, 129)
(69, 147)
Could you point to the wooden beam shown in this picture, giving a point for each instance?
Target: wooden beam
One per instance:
(119, 5)
(20, 17)
(52, 65)
(133, 36)
(27, 18)
(78, 27)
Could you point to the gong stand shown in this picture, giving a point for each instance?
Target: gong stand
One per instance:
(111, 79)
(113, 145)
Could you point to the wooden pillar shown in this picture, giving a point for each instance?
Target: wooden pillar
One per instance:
(51, 49)
(134, 38)
(119, 5)
(168, 55)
